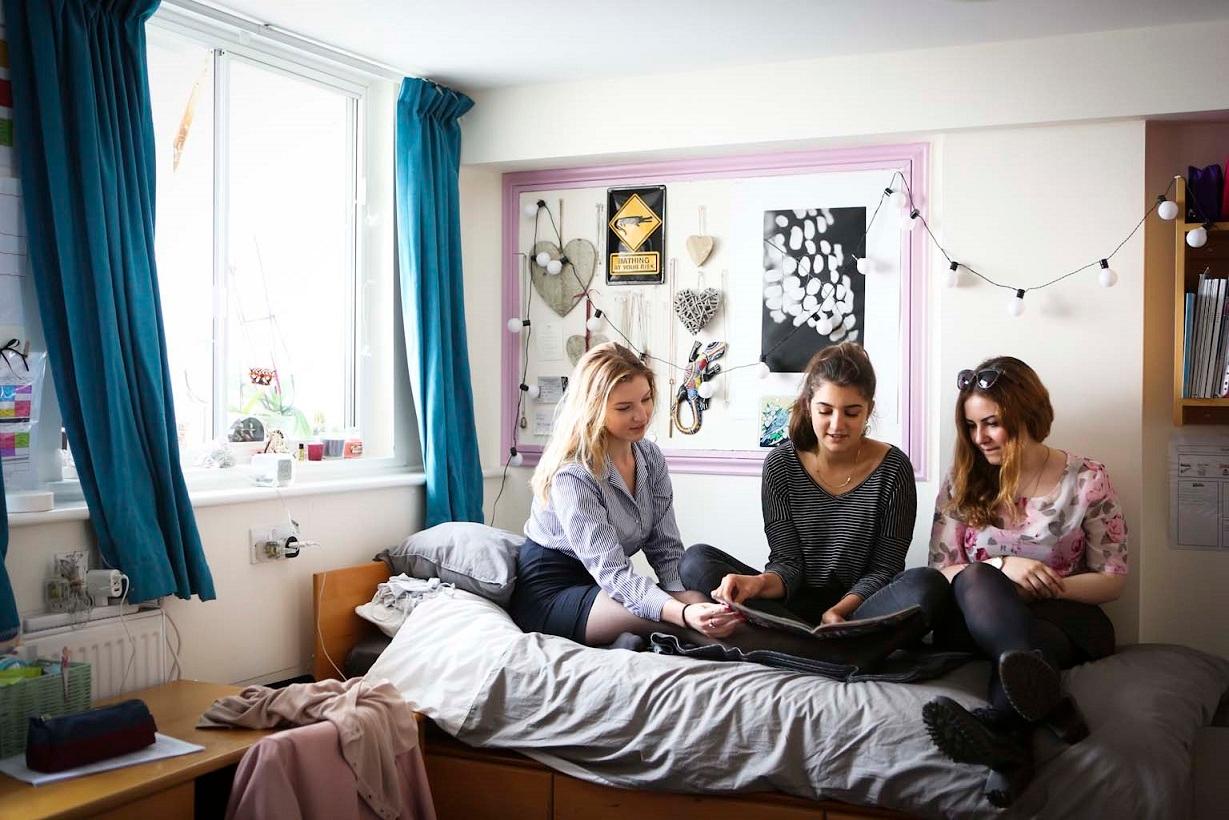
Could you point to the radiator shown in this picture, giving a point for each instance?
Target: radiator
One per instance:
(117, 664)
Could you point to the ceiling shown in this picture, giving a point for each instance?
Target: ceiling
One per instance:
(476, 44)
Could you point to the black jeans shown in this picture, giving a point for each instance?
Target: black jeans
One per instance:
(991, 618)
(704, 566)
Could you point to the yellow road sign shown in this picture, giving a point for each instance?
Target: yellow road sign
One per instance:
(634, 222)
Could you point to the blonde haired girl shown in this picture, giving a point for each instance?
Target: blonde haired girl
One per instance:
(601, 494)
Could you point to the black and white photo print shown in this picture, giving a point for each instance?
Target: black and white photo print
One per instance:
(811, 283)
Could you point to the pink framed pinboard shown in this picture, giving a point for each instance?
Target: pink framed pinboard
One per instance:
(756, 205)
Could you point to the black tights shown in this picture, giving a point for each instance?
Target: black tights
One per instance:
(993, 618)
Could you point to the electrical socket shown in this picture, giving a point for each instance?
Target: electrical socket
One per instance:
(78, 558)
(261, 537)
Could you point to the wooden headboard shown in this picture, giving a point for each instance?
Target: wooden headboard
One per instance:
(335, 594)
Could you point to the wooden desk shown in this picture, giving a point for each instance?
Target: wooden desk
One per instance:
(162, 788)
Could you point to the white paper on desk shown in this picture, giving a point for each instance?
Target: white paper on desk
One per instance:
(163, 747)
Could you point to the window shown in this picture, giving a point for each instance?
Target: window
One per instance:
(274, 260)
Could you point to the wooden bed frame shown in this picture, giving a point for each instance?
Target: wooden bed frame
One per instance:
(471, 784)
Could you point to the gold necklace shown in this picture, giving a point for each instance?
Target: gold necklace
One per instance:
(1041, 472)
(857, 458)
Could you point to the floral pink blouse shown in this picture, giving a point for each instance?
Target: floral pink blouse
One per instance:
(1077, 528)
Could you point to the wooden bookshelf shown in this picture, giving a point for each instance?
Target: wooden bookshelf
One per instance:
(1188, 264)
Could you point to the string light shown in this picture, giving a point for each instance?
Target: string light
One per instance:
(543, 259)
(594, 322)
(897, 199)
(913, 220)
(761, 368)
(1166, 209)
(1198, 237)
(863, 265)
(1108, 276)
(515, 459)
(531, 210)
(532, 390)
(1016, 306)
(707, 390)
(952, 277)
(516, 324)
(555, 266)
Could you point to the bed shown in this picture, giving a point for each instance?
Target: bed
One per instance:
(520, 725)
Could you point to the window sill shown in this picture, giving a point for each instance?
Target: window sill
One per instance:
(239, 493)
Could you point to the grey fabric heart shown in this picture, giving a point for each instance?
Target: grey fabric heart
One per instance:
(564, 291)
(575, 345)
(696, 308)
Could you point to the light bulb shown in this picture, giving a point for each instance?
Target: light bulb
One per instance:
(594, 323)
(952, 277)
(761, 369)
(530, 210)
(515, 459)
(543, 259)
(1198, 237)
(554, 267)
(706, 390)
(864, 266)
(913, 220)
(1167, 209)
(1016, 306)
(897, 199)
(1108, 277)
(516, 324)
(532, 390)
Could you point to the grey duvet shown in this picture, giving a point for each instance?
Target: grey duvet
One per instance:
(645, 721)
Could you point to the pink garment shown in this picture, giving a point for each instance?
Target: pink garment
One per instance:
(374, 726)
(1078, 527)
(300, 773)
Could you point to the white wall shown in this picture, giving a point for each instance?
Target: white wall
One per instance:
(1029, 180)
(1184, 593)
(259, 629)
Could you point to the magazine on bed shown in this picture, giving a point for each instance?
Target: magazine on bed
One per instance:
(837, 630)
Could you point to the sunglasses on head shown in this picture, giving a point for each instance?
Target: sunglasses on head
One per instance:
(984, 379)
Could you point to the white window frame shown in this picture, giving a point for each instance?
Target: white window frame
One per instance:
(375, 322)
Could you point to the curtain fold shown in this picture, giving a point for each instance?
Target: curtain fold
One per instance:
(10, 623)
(85, 149)
(428, 149)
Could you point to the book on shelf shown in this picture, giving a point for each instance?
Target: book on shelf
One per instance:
(1188, 325)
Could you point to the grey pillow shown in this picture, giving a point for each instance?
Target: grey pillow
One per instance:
(477, 558)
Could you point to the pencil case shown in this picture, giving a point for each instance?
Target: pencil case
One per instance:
(54, 744)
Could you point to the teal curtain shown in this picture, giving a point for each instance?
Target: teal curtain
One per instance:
(9, 622)
(85, 149)
(428, 147)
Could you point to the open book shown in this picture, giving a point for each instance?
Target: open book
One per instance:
(844, 629)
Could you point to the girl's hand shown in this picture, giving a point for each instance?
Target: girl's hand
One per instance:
(738, 588)
(712, 620)
(832, 617)
(1036, 579)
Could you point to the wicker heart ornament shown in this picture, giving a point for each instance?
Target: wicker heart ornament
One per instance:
(696, 308)
(564, 290)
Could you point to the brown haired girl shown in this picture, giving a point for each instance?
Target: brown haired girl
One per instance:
(839, 510)
(1032, 539)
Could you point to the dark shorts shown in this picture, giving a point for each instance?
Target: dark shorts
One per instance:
(553, 593)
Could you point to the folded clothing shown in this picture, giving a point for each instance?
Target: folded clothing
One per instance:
(396, 598)
(65, 742)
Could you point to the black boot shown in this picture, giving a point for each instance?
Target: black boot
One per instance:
(965, 738)
(1004, 786)
(1066, 721)
(1031, 684)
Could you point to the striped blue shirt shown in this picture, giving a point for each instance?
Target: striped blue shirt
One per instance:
(602, 524)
